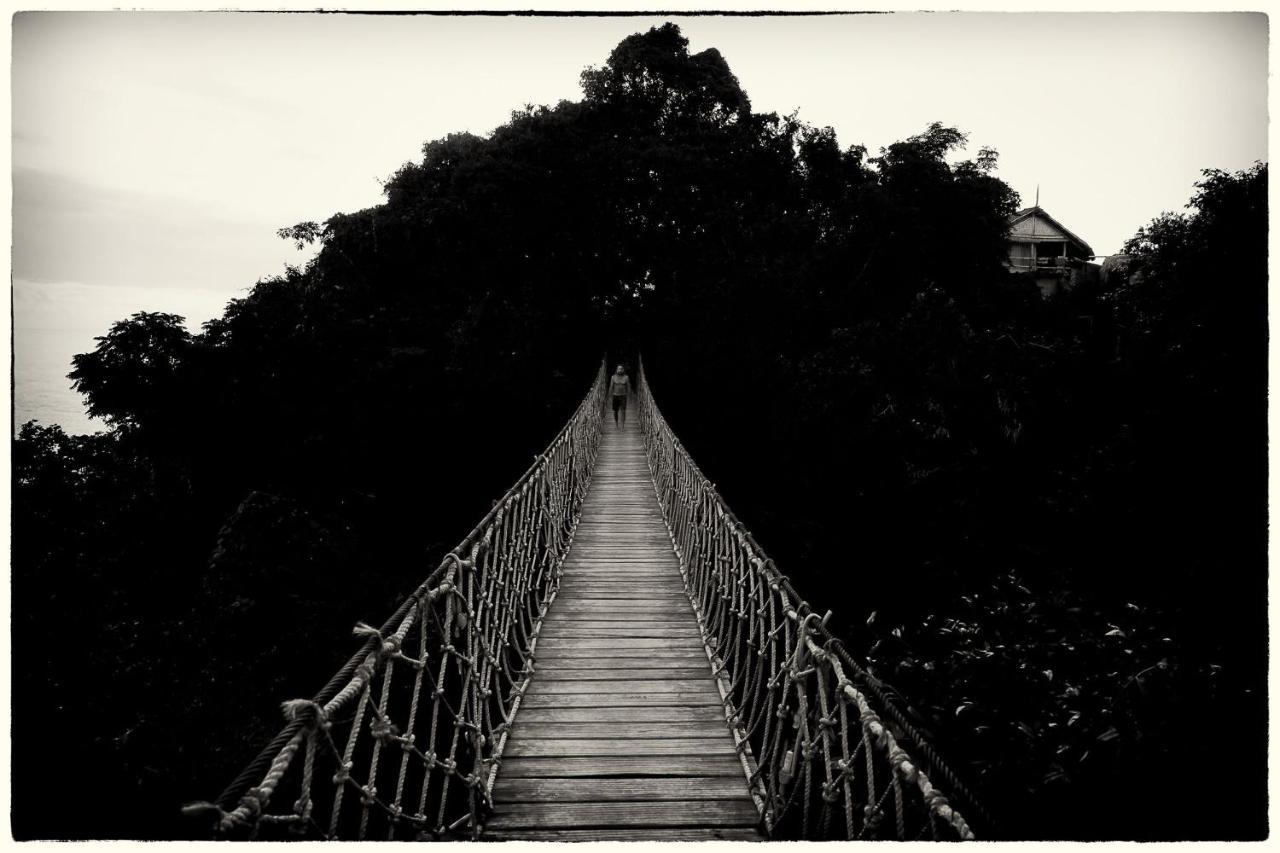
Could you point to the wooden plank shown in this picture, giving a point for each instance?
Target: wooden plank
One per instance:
(652, 578)
(617, 643)
(580, 604)
(640, 574)
(631, 730)
(570, 632)
(625, 714)
(617, 700)
(615, 611)
(581, 620)
(606, 543)
(602, 543)
(624, 685)
(661, 814)
(602, 559)
(673, 632)
(616, 657)
(614, 619)
(635, 610)
(571, 628)
(615, 614)
(621, 556)
(643, 571)
(650, 628)
(672, 599)
(544, 790)
(621, 573)
(642, 584)
(636, 588)
(602, 552)
(607, 598)
(635, 591)
(615, 647)
(650, 569)
(639, 588)
(588, 624)
(621, 765)
(724, 833)
(622, 516)
(636, 658)
(582, 747)
(644, 549)
(615, 673)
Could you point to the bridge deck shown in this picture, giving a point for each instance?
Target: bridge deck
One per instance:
(621, 735)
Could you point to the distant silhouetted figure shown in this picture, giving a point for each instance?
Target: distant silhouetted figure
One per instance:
(620, 386)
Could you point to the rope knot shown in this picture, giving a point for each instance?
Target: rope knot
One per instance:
(302, 808)
(384, 731)
(309, 713)
(343, 773)
(252, 802)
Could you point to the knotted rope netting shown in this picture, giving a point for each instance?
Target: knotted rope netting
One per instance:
(406, 739)
(823, 747)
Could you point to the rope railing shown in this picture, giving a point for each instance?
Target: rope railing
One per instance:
(406, 739)
(822, 747)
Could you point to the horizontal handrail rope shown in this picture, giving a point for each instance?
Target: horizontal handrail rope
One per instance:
(476, 620)
(820, 746)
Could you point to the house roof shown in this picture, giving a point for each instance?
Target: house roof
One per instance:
(1028, 212)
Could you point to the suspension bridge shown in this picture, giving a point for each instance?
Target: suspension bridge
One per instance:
(608, 655)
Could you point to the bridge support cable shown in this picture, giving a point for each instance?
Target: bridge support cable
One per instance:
(826, 755)
(406, 739)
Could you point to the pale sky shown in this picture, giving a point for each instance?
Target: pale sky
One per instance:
(155, 154)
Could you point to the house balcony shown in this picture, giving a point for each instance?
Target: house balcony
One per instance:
(1041, 264)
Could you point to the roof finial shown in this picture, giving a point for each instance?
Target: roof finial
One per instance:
(1037, 195)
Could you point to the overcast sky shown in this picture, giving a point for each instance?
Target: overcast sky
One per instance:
(155, 154)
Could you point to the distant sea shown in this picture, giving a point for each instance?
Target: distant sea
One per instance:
(54, 321)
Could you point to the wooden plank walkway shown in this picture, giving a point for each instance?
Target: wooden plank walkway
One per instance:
(621, 735)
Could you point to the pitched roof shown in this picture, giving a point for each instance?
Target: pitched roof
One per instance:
(1027, 212)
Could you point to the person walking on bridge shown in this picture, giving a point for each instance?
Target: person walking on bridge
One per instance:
(620, 386)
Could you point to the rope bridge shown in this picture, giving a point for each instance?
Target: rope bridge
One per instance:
(406, 741)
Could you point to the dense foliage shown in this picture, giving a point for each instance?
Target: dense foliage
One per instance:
(1043, 521)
